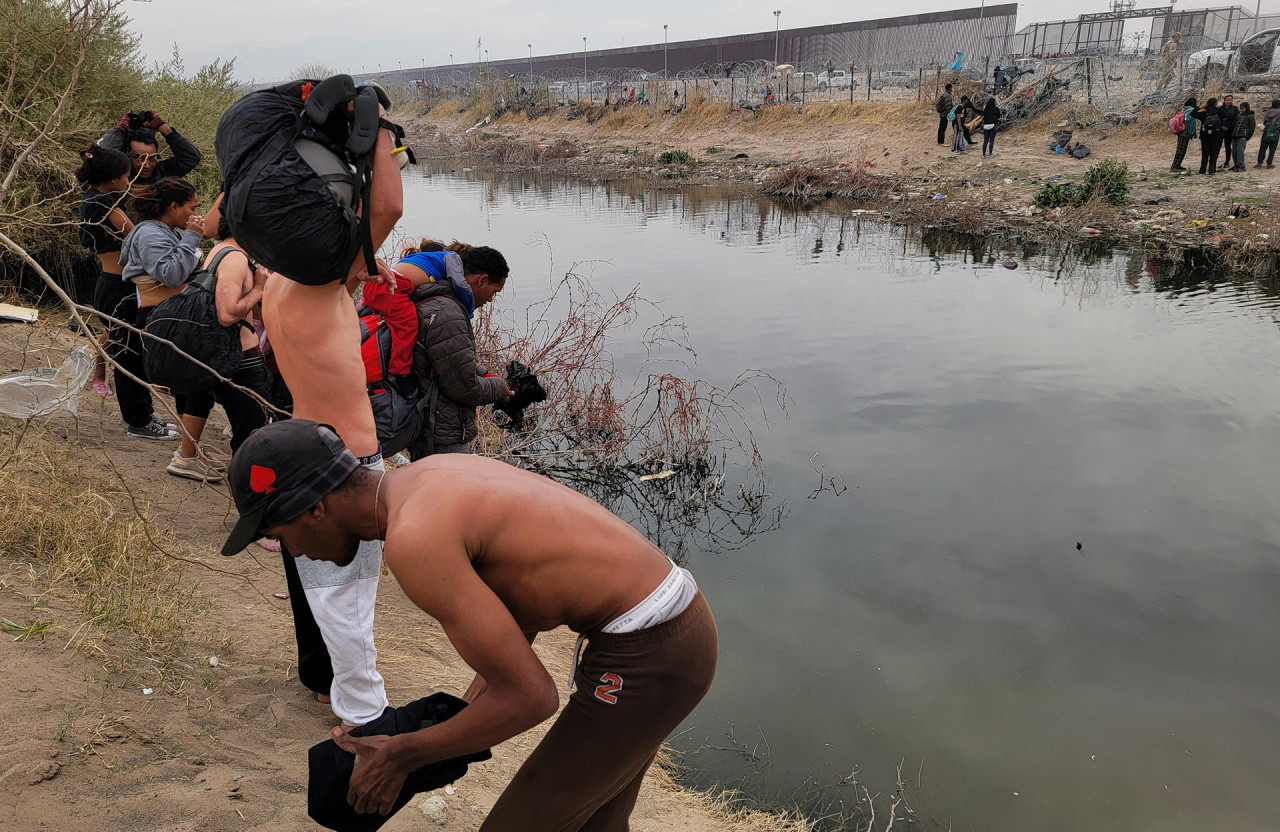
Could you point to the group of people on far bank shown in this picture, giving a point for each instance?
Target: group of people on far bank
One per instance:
(1225, 127)
(962, 116)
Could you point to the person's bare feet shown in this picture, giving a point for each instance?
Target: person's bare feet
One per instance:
(323, 698)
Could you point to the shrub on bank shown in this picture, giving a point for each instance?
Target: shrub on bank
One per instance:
(1107, 181)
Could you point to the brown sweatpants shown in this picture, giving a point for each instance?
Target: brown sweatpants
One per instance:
(632, 690)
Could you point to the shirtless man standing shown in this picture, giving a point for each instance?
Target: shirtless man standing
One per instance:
(315, 334)
(500, 555)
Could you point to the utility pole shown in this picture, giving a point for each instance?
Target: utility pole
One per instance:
(584, 57)
(1257, 10)
(531, 66)
(982, 8)
(664, 51)
(777, 16)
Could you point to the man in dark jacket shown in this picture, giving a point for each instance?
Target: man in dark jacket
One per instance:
(1246, 123)
(944, 106)
(1230, 115)
(135, 136)
(451, 286)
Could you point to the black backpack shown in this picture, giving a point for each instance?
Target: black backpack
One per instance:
(399, 418)
(297, 172)
(189, 320)
(1212, 126)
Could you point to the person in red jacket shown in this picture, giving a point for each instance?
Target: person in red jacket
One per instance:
(395, 306)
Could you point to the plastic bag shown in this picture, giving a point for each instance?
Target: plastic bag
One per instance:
(46, 390)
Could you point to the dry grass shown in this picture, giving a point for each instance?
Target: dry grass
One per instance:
(808, 182)
(80, 544)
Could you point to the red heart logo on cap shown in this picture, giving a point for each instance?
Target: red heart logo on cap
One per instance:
(261, 479)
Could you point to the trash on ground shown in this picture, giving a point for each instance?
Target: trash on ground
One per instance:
(46, 390)
(661, 475)
(20, 314)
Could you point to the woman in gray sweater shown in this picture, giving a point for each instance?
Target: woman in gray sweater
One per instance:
(159, 255)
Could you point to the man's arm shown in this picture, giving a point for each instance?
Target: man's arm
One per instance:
(185, 154)
(518, 694)
(451, 353)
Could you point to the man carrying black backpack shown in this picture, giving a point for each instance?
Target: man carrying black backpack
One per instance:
(1211, 133)
(944, 106)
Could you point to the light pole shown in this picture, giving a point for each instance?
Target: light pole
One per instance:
(1256, 11)
(531, 66)
(584, 57)
(664, 51)
(982, 8)
(777, 17)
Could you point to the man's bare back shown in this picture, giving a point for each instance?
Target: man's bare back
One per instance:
(553, 556)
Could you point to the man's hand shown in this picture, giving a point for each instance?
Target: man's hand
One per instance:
(152, 119)
(386, 275)
(126, 122)
(377, 778)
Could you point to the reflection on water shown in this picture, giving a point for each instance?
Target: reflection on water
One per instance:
(985, 422)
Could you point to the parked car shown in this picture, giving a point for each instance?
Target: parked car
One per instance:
(1028, 66)
(895, 78)
(1218, 56)
(837, 79)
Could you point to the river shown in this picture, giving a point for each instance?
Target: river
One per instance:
(1052, 586)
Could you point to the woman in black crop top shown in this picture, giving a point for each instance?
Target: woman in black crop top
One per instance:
(104, 174)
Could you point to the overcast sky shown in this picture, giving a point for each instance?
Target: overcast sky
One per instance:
(269, 39)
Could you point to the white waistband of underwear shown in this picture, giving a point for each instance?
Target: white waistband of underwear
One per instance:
(672, 597)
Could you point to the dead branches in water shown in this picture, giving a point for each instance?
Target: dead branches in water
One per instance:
(810, 182)
(604, 428)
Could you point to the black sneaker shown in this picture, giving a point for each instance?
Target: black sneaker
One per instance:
(155, 429)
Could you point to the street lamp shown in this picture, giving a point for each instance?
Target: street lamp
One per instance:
(531, 66)
(777, 16)
(584, 57)
(664, 51)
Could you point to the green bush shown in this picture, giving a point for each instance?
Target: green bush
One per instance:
(675, 157)
(1055, 196)
(1108, 181)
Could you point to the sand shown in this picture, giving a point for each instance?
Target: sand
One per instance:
(83, 747)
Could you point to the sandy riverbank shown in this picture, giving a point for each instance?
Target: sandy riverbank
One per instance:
(895, 145)
(208, 748)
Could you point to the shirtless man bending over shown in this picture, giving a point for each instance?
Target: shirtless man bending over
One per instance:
(497, 555)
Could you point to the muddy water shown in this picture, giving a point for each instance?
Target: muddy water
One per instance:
(1054, 579)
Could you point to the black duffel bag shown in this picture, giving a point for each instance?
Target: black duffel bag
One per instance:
(189, 320)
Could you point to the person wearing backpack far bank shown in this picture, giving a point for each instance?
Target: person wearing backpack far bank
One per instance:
(1183, 125)
(1210, 136)
(1270, 134)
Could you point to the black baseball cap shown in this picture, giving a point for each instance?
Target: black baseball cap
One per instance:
(281, 471)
